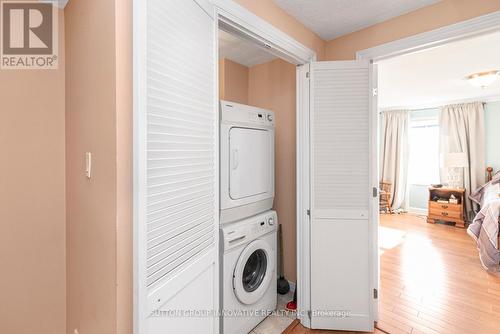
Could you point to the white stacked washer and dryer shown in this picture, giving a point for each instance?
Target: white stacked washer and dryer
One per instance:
(248, 225)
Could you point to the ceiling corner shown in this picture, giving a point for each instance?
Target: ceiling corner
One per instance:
(58, 3)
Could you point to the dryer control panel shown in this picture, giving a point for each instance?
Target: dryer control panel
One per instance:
(237, 112)
(246, 230)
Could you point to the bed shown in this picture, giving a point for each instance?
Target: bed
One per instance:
(485, 227)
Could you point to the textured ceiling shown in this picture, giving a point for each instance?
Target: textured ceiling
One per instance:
(241, 51)
(333, 18)
(437, 75)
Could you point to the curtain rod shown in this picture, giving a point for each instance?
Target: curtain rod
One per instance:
(487, 99)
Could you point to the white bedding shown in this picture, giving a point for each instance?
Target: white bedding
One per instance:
(484, 228)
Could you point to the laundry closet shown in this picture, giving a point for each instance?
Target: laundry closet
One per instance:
(257, 93)
(205, 240)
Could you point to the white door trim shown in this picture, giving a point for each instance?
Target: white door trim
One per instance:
(477, 26)
(246, 23)
(374, 183)
(465, 29)
(139, 166)
(303, 283)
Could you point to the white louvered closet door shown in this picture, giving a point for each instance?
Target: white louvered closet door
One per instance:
(176, 182)
(343, 160)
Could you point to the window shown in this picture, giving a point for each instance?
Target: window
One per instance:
(424, 151)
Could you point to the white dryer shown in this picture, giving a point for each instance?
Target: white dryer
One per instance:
(246, 161)
(248, 272)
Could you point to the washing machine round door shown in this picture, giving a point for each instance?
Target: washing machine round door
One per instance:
(253, 272)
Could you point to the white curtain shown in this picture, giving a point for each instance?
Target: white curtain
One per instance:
(461, 129)
(394, 150)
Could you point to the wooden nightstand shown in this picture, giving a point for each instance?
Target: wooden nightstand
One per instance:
(446, 211)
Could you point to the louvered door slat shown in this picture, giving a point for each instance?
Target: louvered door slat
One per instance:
(175, 164)
(180, 124)
(181, 134)
(341, 230)
(341, 139)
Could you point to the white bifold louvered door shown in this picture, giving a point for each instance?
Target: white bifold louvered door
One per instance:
(176, 182)
(343, 206)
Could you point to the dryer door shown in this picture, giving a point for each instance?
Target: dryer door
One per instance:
(249, 162)
(253, 272)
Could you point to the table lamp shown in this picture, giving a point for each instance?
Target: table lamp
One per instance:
(454, 162)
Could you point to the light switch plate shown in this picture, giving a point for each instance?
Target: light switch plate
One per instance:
(88, 165)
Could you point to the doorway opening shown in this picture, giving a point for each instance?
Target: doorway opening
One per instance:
(255, 80)
(436, 135)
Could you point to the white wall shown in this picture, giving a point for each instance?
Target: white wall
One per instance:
(492, 129)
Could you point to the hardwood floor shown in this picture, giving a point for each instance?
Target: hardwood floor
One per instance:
(431, 281)
(296, 328)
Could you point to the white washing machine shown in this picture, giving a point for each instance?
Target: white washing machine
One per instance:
(246, 161)
(248, 272)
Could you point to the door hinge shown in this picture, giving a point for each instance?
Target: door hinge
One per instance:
(375, 192)
(307, 74)
(375, 91)
(308, 212)
(309, 314)
(375, 294)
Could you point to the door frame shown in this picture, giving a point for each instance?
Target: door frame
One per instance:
(476, 26)
(462, 30)
(246, 23)
(481, 25)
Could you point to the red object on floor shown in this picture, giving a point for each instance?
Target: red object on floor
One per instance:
(291, 305)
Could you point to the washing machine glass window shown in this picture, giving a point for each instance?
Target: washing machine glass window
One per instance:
(250, 153)
(254, 271)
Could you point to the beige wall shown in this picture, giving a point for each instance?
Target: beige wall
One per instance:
(32, 202)
(425, 19)
(272, 86)
(233, 81)
(276, 16)
(98, 111)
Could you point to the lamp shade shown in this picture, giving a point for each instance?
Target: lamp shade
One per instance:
(483, 79)
(453, 160)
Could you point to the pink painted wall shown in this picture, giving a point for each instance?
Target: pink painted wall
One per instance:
(32, 200)
(98, 120)
(233, 81)
(272, 85)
